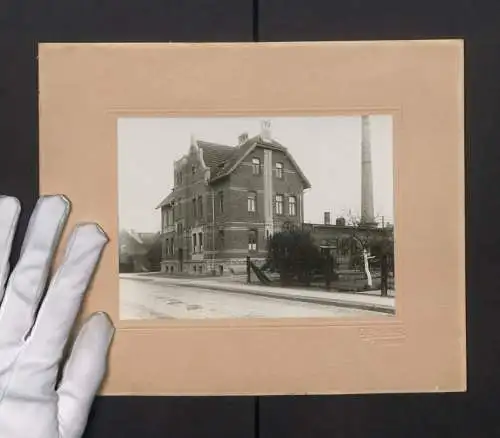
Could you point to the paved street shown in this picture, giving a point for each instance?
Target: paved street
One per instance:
(146, 299)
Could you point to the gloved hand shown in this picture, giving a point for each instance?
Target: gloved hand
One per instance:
(35, 326)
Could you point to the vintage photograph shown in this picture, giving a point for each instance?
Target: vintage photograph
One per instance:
(256, 217)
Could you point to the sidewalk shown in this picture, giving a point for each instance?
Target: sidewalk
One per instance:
(361, 301)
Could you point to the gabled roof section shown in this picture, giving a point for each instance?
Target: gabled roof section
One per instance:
(242, 151)
(222, 159)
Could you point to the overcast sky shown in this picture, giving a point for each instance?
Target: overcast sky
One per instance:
(328, 150)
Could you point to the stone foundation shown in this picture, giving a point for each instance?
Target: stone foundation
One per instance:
(236, 266)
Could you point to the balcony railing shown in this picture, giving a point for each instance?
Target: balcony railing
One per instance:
(168, 229)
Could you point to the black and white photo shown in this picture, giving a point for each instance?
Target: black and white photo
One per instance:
(256, 217)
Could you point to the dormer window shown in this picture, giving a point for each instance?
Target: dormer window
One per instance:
(256, 166)
(193, 169)
(279, 170)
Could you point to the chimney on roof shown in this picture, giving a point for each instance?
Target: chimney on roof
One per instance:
(327, 220)
(243, 138)
(194, 141)
(265, 130)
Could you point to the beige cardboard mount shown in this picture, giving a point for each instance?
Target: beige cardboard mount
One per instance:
(85, 88)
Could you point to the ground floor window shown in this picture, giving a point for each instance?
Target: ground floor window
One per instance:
(221, 240)
(252, 240)
(278, 204)
(194, 242)
(292, 206)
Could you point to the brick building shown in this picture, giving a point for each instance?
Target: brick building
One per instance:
(226, 200)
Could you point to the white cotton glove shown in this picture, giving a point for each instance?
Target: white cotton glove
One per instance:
(34, 326)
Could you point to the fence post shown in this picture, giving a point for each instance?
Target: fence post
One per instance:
(384, 274)
(328, 277)
(248, 269)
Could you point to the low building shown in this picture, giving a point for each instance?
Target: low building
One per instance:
(226, 200)
(345, 242)
(138, 251)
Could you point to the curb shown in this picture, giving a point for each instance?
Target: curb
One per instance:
(323, 301)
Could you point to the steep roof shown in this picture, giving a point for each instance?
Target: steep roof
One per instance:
(166, 200)
(223, 159)
(148, 238)
(141, 238)
(215, 154)
(237, 154)
(240, 152)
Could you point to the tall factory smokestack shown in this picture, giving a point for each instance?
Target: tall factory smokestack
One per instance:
(367, 214)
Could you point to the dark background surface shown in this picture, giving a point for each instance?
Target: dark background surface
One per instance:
(472, 414)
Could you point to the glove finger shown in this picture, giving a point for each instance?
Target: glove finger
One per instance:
(27, 282)
(83, 374)
(9, 216)
(62, 302)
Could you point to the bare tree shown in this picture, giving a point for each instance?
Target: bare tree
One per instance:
(375, 248)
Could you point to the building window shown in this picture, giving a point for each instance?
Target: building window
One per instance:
(164, 219)
(167, 248)
(279, 170)
(292, 205)
(200, 241)
(252, 240)
(200, 206)
(194, 243)
(193, 169)
(252, 202)
(221, 239)
(221, 202)
(256, 166)
(194, 207)
(178, 208)
(278, 205)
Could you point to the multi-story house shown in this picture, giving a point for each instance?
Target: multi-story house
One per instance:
(226, 201)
